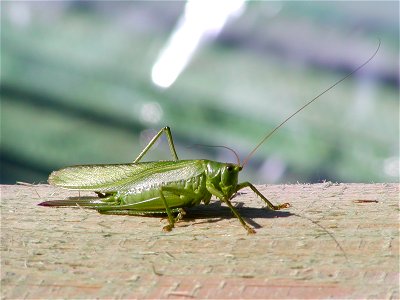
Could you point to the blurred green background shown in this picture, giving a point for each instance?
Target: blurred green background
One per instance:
(76, 88)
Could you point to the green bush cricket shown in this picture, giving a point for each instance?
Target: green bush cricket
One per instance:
(163, 187)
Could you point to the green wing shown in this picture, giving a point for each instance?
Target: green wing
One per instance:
(123, 177)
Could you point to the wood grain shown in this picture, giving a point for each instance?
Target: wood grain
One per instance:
(337, 240)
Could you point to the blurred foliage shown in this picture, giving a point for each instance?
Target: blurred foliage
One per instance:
(76, 88)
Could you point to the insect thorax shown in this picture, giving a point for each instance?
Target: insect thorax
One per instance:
(223, 176)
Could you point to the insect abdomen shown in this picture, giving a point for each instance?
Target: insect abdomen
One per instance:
(185, 193)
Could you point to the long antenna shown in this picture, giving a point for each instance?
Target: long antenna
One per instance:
(225, 147)
(308, 103)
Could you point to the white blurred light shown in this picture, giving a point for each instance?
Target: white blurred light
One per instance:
(391, 166)
(201, 21)
(151, 113)
(19, 13)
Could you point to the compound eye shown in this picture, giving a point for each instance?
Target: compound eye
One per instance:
(229, 168)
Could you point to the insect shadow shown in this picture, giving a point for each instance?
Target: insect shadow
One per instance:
(215, 212)
(211, 213)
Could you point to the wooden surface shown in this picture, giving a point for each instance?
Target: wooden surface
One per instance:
(330, 243)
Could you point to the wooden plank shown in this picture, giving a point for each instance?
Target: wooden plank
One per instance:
(337, 240)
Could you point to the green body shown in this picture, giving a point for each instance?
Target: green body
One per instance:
(145, 188)
(137, 186)
(148, 188)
